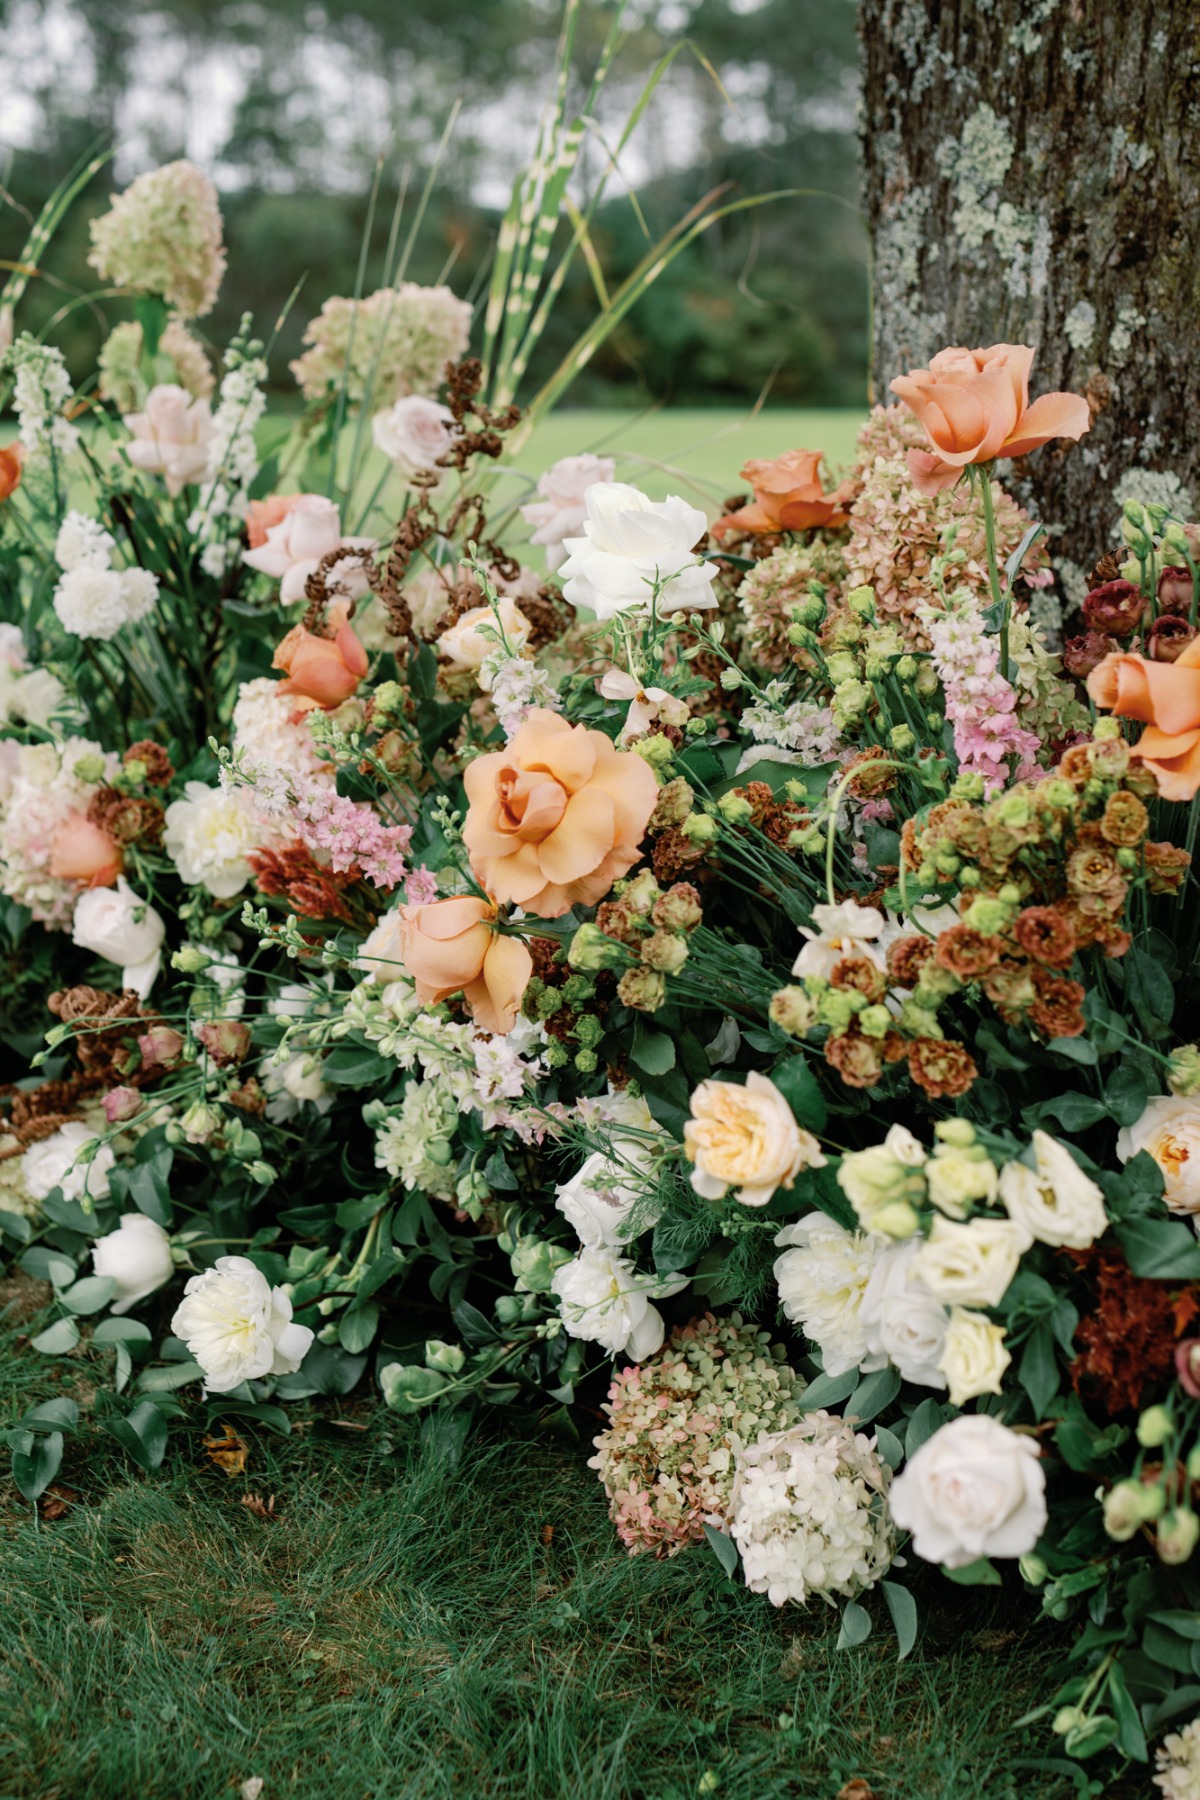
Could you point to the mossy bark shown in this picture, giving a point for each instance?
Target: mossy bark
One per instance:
(1032, 175)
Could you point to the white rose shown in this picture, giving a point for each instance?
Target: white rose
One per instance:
(117, 924)
(973, 1357)
(209, 835)
(1056, 1202)
(631, 542)
(53, 1164)
(171, 437)
(237, 1326)
(309, 530)
(294, 1084)
(822, 1278)
(562, 510)
(1169, 1129)
(466, 645)
(974, 1489)
(380, 953)
(599, 1198)
(971, 1264)
(901, 1321)
(414, 433)
(137, 1255)
(603, 1298)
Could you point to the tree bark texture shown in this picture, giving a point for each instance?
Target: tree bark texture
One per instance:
(1032, 175)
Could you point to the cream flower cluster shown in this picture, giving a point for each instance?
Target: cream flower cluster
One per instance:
(46, 788)
(92, 599)
(809, 1514)
(163, 236)
(396, 341)
(180, 356)
(414, 1142)
(1178, 1764)
(210, 833)
(41, 397)
(266, 730)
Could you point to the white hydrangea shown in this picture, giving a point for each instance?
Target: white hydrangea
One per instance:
(44, 790)
(822, 1276)
(414, 1145)
(209, 835)
(139, 593)
(264, 729)
(809, 1515)
(1178, 1760)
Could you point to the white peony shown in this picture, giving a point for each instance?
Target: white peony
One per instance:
(237, 1326)
(54, 1163)
(1169, 1129)
(845, 930)
(414, 433)
(971, 1264)
(974, 1489)
(901, 1321)
(1055, 1202)
(209, 835)
(137, 1256)
(120, 926)
(562, 510)
(974, 1356)
(171, 436)
(603, 1299)
(599, 1198)
(308, 532)
(823, 1275)
(629, 544)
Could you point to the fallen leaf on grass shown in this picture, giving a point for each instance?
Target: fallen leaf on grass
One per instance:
(251, 1788)
(228, 1451)
(262, 1509)
(858, 1789)
(57, 1501)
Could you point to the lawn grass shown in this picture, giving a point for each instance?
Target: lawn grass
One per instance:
(409, 1626)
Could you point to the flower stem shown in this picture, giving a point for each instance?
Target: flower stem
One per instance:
(1001, 600)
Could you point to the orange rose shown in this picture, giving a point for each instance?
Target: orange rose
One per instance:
(788, 496)
(10, 469)
(1166, 696)
(81, 851)
(557, 817)
(974, 405)
(451, 946)
(262, 514)
(323, 671)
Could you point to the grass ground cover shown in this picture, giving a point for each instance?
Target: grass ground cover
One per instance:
(406, 1625)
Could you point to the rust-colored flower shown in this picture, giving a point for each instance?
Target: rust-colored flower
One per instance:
(10, 469)
(1046, 935)
(966, 953)
(1084, 653)
(1166, 697)
(860, 973)
(1125, 820)
(227, 1041)
(452, 946)
(1166, 867)
(151, 758)
(1009, 987)
(1093, 869)
(857, 1059)
(975, 407)
(1115, 607)
(1056, 1010)
(906, 957)
(788, 496)
(944, 1069)
(1168, 638)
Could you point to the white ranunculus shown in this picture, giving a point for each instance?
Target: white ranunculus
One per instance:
(209, 835)
(171, 437)
(974, 1489)
(971, 1264)
(629, 543)
(900, 1319)
(1169, 1129)
(53, 1163)
(974, 1357)
(414, 433)
(1056, 1202)
(823, 1274)
(845, 930)
(120, 926)
(562, 509)
(466, 645)
(294, 1084)
(602, 1298)
(137, 1256)
(237, 1326)
(309, 530)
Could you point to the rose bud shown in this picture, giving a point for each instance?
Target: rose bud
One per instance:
(1187, 1366)
(1084, 653)
(121, 1103)
(161, 1047)
(1116, 606)
(226, 1040)
(1175, 590)
(1168, 638)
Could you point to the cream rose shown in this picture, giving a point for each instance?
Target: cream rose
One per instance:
(746, 1138)
(971, 1264)
(137, 1256)
(974, 1489)
(973, 1357)
(171, 437)
(901, 1321)
(237, 1326)
(630, 544)
(1169, 1130)
(465, 645)
(561, 511)
(414, 433)
(1056, 1202)
(120, 926)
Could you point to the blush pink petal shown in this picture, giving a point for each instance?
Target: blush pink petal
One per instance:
(932, 474)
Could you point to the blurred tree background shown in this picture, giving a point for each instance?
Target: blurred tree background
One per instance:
(289, 104)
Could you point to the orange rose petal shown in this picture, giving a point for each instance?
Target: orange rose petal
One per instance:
(546, 741)
(1050, 416)
(583, 839)
(495, 998)
(753, 517)
(931, 474)
(1175, 761)
(442, 919)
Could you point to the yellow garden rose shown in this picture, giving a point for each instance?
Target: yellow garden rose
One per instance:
(746, 1138)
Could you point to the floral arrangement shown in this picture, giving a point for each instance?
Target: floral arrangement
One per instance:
(488, 950)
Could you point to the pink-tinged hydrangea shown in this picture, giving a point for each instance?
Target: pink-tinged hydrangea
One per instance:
(394, 342)
(46, 790)
(779, 582)
(677, 1423)
(981, 705)
(163, 236)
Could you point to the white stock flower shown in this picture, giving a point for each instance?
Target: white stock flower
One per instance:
(1055, 1202)
(900, 1319)
(137, 1256)
(308, 532)
(170, 437)
(603, 1299)
(630, 543)
(845, 930)
(117, 924)
(53, 1163)
(971, 1264)
(973, 1357)
(1169, 1130)
(83, 540)
(414, 433)
(974, 1489)
(562, 509)
(209, 835)
(237, 1326)
(822, 1276)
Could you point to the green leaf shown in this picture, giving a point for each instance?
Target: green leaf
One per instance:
(497, 1173)
(57, 1339)
(89, 1295)
(148, 1188)
(45, 1264)
(34, 1469)
(1127, 1090)
(352, 1215)
(1038, 1372)
(802, 1091)
(1148, 989)
(872, 1394)
(856, 1626)
(1074, 1112)
(1076, 1050)
(889, 1446)
(352, 1066)
(903, 1609)
(358, 1326)
(927, 1418)
(1160, 1249)
(143, 1434)
(166, 1380)
(998, 1053)
(1131, 1739)
(980, 1573)
(52, 1415)
(1186, 1624)
(830, 1390)
(723, 1548)
(652, 1051)
(121, 1331)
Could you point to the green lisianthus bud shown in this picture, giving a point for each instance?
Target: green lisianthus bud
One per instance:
(407, 1387)
(447, 1359)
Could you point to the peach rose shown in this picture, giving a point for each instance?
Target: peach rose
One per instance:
(1166, 696)
(83, 852)
(323, 671)
(293, 546)
(975, 406)
(452, 946)
(10, 469)
(261, 515)
(788, 496)
(556, 817)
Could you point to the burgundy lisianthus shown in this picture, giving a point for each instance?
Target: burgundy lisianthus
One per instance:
(1084, 653)
(1115, 606)
(1168, 638)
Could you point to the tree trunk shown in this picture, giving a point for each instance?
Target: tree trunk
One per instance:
(1032, 175)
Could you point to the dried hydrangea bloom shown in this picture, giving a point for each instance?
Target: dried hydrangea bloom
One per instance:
(120, 359)
(781, 581)
(47, 789)
(163, 236)
(397, 341)
(809, 1515)
(896, 531)
(676, 1423)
